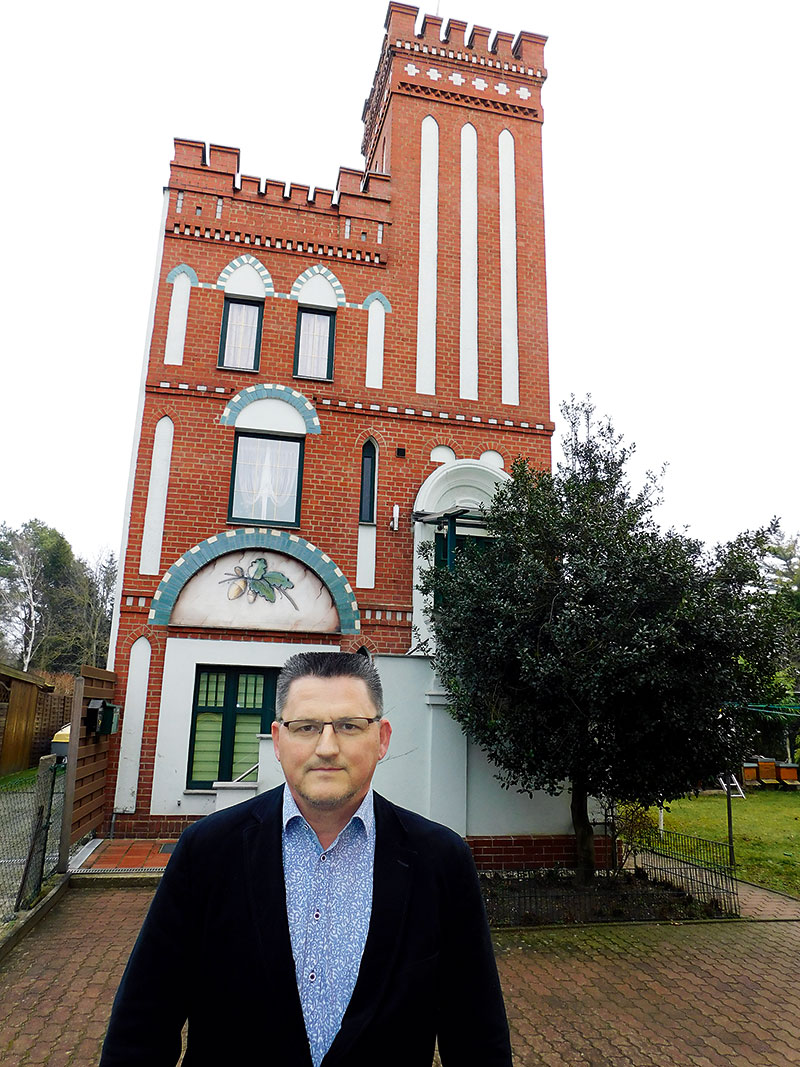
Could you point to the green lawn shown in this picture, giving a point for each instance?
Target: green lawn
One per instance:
(766, 833)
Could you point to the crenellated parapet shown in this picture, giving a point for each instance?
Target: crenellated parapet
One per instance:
(497, 72)
(210, 199)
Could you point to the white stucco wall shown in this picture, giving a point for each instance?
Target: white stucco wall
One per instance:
(181, 659)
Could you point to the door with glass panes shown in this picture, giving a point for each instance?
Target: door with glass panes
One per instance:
(232, 706)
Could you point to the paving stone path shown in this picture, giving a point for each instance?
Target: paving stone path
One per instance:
(705, 994)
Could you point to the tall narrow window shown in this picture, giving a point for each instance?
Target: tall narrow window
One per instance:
(240, 338)
(232, 706)
(347, 227)
(219, 207)
(267, 479)
(179, 203)
(313, 351)
(369, 457)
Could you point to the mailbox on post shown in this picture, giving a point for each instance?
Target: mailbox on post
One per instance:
(102, 717)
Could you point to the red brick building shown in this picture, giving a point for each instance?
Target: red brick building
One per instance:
(330, 379)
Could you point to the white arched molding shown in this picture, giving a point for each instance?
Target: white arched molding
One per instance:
(272, 415)
(376, 330)
(464, 483)
(153, 534)
(442, 454)
(132, 726)
(428, 255)
(245, 281)
(509, 342)
(316, 291)
(493, 459)
(178, 314)
(468, 313)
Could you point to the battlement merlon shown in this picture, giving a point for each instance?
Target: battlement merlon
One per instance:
(527, 50)
(520, 60)
(215, 172)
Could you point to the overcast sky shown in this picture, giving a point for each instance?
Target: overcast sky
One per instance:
(672, 212)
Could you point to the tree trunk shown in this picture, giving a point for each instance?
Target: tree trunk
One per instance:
(584, 833)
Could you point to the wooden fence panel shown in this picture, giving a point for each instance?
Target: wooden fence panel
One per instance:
(87, 761)
(52, 711)
(20, 722)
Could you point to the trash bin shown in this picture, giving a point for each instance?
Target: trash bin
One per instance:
(60, 742)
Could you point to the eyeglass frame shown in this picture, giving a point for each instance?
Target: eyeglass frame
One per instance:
(328, 722)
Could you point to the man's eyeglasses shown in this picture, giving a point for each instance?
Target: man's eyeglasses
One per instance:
(311, 728)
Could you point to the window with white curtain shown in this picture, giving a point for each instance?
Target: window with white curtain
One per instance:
(267, 479)
(313, 352)
(240, 340)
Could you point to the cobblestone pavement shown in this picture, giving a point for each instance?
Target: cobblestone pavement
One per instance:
(758, 903)
(58, 983)
(706, 994)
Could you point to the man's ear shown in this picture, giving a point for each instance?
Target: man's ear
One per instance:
(385, 728)
(276, 733)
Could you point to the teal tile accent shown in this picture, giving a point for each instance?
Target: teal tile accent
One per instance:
(272, 540)
(377, 295)
(182, 268)
(272, 391)
(318, 268)
(247, 260)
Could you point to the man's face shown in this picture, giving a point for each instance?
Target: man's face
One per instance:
(330, 772)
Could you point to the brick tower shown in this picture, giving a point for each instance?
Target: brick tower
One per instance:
(331, 380)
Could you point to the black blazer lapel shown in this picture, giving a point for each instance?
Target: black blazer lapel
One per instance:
(392, 879)
(273, 963)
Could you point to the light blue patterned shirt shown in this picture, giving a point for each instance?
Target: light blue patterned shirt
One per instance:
(329, 903)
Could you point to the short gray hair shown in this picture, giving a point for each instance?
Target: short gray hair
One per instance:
(328, 665)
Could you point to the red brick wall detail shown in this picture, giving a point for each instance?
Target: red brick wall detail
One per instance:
(533, 850)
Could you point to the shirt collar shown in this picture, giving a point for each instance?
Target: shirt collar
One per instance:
(365, 812)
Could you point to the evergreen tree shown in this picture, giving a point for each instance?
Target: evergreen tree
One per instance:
(583, 645)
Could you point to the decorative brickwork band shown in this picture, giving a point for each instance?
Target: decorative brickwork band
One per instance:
(290, 544)
(271, 391)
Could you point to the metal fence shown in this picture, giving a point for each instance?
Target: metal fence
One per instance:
(31, 811)
(536, 896)
(701, 868)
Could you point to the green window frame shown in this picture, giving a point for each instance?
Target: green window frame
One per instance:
(369, 471)
(231, 706)
(313, 350)
(240, 334)
(266, 479)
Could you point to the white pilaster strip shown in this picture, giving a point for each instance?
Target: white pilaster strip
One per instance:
(468, 315)
(376, 326)
(178, 314)
(428, 243)
(133, 726)
(509, 344)
(137, 435)
(153, 534)
(365, 560)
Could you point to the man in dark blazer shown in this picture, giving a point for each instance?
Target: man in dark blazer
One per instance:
(219, 948)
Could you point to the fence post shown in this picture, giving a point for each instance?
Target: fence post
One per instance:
(72, 768)
(728, 787)
(32, 874)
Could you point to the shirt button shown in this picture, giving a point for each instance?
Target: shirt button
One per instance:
(316, 914)
(323, 857)
(312, 976)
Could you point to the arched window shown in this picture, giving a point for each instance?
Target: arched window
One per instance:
(369, 466)
(316, 326)
(242, 316)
